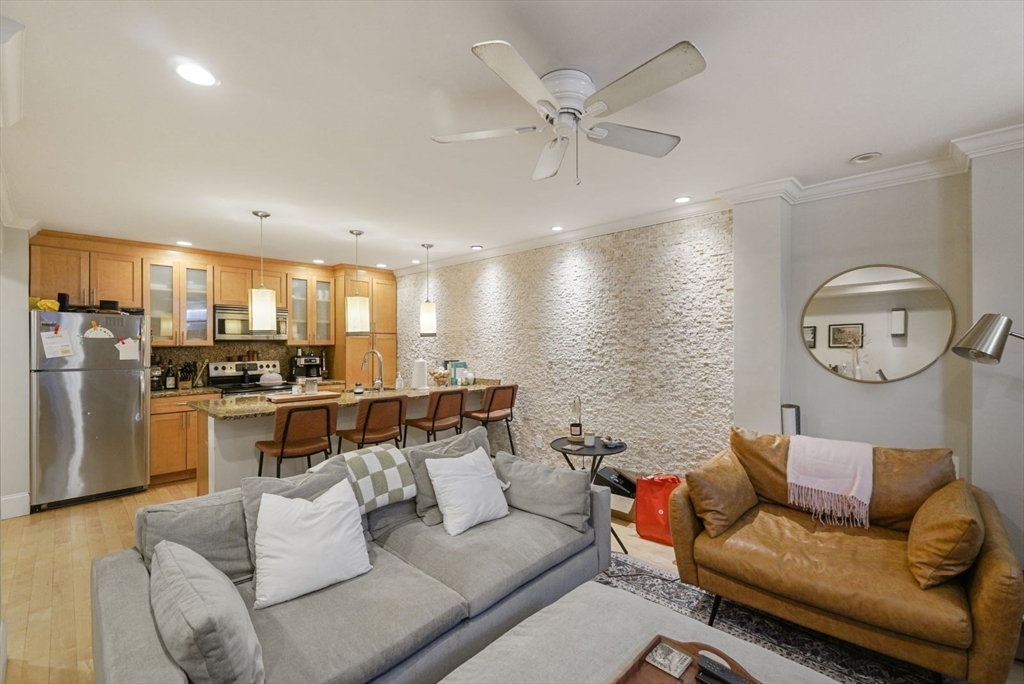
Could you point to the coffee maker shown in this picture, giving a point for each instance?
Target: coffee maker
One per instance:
(306, 367)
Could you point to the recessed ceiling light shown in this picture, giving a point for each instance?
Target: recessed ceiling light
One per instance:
(415, 261)
(556, 228)
(683, 200)
(476, 248)
(382, 265)
(193, 73)
(318, 261)
(183, 243)
(866, 158)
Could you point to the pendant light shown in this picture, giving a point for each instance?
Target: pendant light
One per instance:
(428, 311)
(357, 308)
(262, 302)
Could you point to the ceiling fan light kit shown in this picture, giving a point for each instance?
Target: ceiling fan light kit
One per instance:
(565, 97)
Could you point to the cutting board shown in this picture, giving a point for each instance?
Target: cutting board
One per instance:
(289, 398)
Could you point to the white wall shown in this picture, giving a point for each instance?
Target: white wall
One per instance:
(637, 323)
(923, 226)
(14, 353)
(997, 224)
(761, 252)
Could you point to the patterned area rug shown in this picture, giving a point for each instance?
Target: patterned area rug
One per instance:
(833, 658)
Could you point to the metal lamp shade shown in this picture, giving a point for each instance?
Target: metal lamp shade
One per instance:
(984, 342)
(262, 309)
(428, 319)
(357, 315)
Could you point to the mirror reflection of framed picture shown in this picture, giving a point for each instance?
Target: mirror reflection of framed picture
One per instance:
(846, 335)
(811, 336)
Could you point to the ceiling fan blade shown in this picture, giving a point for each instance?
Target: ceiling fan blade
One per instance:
(484, 135)
(638, 140)
(508, 64)
(550, 158)
(672, 66)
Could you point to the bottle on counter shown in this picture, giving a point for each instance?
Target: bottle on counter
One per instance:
(170, 377)
(323, 364)
(399, 382)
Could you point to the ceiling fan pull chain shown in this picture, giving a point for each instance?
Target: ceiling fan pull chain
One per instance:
(578, 181)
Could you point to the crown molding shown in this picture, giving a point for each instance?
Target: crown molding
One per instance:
(645, 221)
(8, 216)
(983, 144)
(794, 192)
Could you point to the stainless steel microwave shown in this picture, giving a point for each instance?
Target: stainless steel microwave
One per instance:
(232, 323)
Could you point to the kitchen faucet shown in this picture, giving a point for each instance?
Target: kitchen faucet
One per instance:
(378, 382)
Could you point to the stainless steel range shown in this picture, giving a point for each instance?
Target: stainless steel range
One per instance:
(235, 378)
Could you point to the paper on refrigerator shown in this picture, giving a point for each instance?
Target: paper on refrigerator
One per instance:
(128, 350)
(56, 344)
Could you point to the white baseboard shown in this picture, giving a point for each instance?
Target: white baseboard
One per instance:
(14, 506)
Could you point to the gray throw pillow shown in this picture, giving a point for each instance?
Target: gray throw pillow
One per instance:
(426, 501)
(555, 493)
(328, 474)
(202, 618)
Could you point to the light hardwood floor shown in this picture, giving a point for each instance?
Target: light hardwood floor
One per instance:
(45, 560)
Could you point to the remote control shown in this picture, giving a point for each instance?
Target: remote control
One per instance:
(719, 671)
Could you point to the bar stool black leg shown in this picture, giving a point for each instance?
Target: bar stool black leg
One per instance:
(309, 460)
(279, 459)
(508, 426)
(405, 437)
(621, 545)
(259, 473)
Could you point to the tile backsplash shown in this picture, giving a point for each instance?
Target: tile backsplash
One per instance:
(268, 351)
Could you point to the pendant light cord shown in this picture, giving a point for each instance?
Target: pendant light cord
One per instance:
(428, 274)
(261, 253)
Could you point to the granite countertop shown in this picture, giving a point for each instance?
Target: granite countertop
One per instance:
(156, 394)
(238, 408)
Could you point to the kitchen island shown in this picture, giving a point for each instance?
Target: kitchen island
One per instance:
(234, 425)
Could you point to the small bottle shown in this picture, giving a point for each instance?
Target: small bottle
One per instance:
(323, 364)
(399, 382)
(170, 377)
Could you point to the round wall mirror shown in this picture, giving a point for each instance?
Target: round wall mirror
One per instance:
(878, 323)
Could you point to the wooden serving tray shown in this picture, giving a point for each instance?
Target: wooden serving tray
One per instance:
(639, 671)
(289, 398)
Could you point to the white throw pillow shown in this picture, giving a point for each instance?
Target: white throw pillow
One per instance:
(303, 546)
(468, 492)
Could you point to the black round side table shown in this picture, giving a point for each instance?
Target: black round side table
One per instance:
(596, 453)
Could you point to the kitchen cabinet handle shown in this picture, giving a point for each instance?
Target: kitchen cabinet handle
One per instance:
(83, 297)
(94, 299)
(182, 403)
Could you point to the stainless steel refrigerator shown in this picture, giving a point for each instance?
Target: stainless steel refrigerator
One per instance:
(89, 432)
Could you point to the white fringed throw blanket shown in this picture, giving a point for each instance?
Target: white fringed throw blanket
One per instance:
(831, 479)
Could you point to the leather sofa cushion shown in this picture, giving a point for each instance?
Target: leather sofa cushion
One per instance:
(861, 574)
(354, 630)
(721, 492)
(902, 480)
(946, 535)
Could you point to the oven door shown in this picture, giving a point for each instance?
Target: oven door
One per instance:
(232, 323)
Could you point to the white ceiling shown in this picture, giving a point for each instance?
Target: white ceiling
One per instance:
(325, 110)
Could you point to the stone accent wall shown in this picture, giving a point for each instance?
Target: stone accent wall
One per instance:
(639, 324)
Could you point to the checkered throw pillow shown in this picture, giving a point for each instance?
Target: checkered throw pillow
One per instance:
(379, 476)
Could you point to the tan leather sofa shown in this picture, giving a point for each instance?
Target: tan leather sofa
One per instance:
(854, 583)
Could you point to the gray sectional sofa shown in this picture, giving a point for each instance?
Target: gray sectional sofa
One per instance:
(430, 602)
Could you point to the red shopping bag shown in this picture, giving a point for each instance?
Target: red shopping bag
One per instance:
(652, 494)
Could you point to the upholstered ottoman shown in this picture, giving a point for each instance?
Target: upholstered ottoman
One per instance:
(594, 632)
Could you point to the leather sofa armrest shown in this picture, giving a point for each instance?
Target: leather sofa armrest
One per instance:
(995, 589)
(126, 645)
(685, 525)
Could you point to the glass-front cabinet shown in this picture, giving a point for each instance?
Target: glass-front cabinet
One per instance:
(178, 297)
(310, 309)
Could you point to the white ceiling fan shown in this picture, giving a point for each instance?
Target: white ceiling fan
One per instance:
(565, 97)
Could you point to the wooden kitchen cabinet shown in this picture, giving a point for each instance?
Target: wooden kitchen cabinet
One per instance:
(311, 319)
(87, 277)
(356, 347)
(174, 439)
(387, 345)
(383, 305)
(55, 269)
(232, 285)
(178, 296)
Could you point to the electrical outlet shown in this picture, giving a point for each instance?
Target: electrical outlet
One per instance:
(540, 442)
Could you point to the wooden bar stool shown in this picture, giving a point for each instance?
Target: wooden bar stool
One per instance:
(497, 405)
(444, 412)
(300, 431)
(377, 420)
